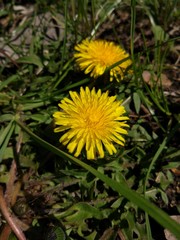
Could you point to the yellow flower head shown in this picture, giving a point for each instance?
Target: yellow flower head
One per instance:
(93, 120)
(95, 56)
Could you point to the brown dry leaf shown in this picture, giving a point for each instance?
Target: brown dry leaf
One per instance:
(169, 235)
(146, 76)
(166, 83)
(4, 21)
(11, 183)
(149, 78)
(176, 171)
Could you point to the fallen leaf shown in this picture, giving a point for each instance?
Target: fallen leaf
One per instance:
(150, 79)
(169, 235)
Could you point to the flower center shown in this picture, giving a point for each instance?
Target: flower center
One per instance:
(92, 119)
(105, 60)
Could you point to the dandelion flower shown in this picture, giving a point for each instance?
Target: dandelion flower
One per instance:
(95, 56)
(93, 121)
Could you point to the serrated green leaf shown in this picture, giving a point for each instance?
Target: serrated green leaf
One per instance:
(164, 197)
(145, 133)
(82, 211)
(137, 102)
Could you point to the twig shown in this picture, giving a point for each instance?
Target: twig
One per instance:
(121, 235)
(6, 55)
(9, 218)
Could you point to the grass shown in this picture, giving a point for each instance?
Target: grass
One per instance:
(123, 196)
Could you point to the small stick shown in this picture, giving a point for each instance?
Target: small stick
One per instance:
(6, 55)
(9, 218)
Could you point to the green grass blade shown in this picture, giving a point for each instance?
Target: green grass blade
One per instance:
(148, 228)
(4, 138)
(156, 101)
(161, 217)
(4, 84)
(74, 85)
(159, 151)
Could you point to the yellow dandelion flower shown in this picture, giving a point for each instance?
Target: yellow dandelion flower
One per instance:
(95, 56)
(93, 120)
